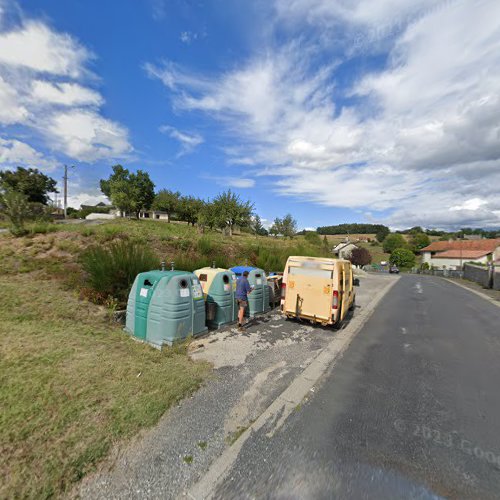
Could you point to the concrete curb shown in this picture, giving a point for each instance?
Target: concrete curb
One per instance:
(278, 411)
(480, 294)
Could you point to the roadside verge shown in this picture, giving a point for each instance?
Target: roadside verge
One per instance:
(275, 415)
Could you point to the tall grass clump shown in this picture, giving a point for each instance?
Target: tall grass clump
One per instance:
(110, 271)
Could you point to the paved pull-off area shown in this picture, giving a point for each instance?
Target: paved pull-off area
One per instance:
(401, 403)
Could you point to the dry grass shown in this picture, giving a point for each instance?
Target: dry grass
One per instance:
(71, 385)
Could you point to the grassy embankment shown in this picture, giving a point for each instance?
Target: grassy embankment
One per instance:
(71, 383)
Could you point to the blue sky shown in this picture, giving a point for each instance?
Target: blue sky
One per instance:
(334, 111)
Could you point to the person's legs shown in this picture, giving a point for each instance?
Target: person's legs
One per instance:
(241, 311)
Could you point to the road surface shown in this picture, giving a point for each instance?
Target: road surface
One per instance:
(412, 410)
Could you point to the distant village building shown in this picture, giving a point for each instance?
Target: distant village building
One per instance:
(154, 215)
(455, 253)
(343, 250)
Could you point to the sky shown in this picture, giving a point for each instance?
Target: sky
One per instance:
(332, 110)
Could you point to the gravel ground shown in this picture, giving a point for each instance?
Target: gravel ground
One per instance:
(251, 369)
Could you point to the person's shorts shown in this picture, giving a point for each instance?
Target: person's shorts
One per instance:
(242, 303)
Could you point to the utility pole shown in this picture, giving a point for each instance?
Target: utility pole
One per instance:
(65, 179)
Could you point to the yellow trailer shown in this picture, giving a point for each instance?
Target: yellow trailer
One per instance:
(317, 289)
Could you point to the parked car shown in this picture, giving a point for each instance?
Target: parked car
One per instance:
(394, 270)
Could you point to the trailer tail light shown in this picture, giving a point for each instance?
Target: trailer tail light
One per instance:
(335, 302)
(283, 291)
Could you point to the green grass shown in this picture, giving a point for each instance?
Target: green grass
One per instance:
(70, 386)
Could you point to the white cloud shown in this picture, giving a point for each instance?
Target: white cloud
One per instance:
(43, 71)
(66, 94)
(14, 153)
(188, 141)
(236, 182)
(36, 47)
(11, 110)
(416, 137)
(188, 36)
(85, 198)
(87, 136)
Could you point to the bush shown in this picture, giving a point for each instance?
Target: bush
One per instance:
(402, 257)
(111, 271)
(312, 237)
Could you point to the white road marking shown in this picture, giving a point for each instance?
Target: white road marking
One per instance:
(418, 287)
(403, 330)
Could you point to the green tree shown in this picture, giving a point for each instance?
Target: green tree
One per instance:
(232, 211)
(326, 245)
(207, 216)
(144, 191)
(30, 182)
(393, 241)
(15, 207)
(189, 209)
(419, 241)
(130, 193)
(167, 201)
(258, 228)
(360, 256)
(402, 257)
(286, 226)
(382, 233)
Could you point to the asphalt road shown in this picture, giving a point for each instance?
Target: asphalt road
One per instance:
(412, 410)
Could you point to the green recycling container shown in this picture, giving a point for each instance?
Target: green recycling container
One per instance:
(219, 286)
(165, 307)
(258, 299)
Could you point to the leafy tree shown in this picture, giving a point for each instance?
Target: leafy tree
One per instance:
(415, 230)
(382, 233)
(286, 226)
(119, 174)
(167, 201)
(393, 241)
(231, 211)
(258, 228)
(273, 230)
(189, 209)
(402, 257)
(30, 182)
(129, 192)
(419, 241)
(144, 191)
(360, 256)
(207, 215)
(15, 207)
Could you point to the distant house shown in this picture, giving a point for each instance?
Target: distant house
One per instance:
(454, 253)
(154, 215)
(343, 250)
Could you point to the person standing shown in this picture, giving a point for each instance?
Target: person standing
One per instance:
(243, 288)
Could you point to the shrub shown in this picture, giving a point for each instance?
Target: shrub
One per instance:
(205, 246)
(312, 237)
(111, 271)
(42, 228)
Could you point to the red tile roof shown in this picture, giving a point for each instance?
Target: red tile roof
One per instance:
(461, 254)
(441, 246)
